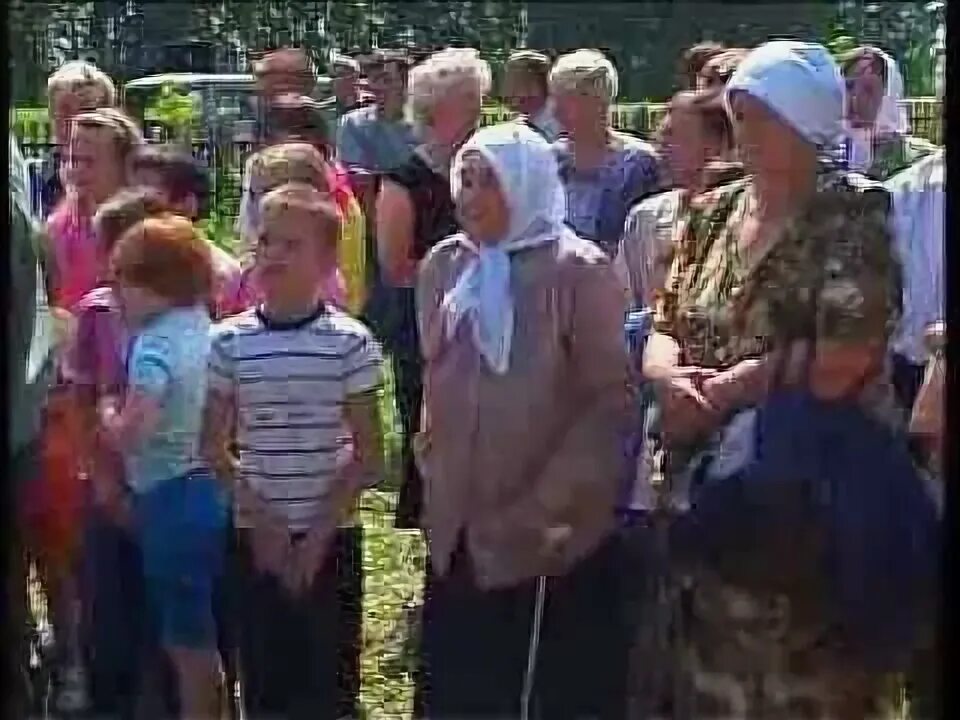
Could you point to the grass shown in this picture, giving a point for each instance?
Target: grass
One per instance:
(393, 564)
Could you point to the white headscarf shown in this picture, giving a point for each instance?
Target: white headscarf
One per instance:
(529, 178)
(798, 81)
(891, 117)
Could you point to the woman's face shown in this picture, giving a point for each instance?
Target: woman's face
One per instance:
(481, 205)
(580, 112)
(96, 170)
(685, 146)
(456, 115)
(865, 90)
(766, 143)
(523, 92)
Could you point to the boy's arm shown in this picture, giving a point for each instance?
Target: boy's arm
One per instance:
(361, 470)
(365, 467)
(219, 416)
(149, 383)
(362, 386)
(219, 426)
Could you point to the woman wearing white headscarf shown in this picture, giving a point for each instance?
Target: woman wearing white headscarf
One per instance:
(734, 290)
(879, 142)
(521, 327)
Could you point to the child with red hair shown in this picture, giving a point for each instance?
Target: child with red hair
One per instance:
(163, 279)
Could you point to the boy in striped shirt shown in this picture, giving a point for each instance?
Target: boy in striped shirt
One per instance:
(290, 381)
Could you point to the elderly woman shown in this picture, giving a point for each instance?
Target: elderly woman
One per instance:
(697, 143)
(521, 330)
(736, 281)
(879, 142)
(604, 172)
(414, 212)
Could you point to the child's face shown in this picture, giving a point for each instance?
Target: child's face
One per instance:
(291, 259)
(154, 179)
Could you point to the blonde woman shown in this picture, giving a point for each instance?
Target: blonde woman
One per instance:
(604, 172)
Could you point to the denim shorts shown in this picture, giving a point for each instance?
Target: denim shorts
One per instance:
(181, 528)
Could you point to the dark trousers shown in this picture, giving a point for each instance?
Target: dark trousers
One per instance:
(116, 631)
(120, 638)
(350, 593)
(404, 348)
(407, 370)
(907, 379)
(475, 644)
(289, 648)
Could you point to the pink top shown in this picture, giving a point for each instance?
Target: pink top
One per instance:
(229, 297)
(75, 252)
(96, 360)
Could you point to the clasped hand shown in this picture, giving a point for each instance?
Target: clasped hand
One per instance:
(294, 564)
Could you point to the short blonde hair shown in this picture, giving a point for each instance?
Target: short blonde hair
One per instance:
(80, 74)
(293, 162)
(585, 71)
(436, 76)
(318, 208)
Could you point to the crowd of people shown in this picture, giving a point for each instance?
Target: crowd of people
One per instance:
(671, 408)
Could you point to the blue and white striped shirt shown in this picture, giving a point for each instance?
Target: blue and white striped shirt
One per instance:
(290, 383)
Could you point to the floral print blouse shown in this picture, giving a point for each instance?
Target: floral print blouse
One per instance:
(741, 658)
(722, 307)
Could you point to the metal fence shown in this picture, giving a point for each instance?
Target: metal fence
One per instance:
(226, 160)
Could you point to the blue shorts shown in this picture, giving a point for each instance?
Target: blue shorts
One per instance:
(181, 528)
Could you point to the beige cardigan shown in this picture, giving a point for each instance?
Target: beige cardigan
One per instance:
(526, 465)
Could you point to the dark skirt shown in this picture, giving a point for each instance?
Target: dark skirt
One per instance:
(476, 644)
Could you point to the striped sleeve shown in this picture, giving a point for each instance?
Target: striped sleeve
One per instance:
(363, 366)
